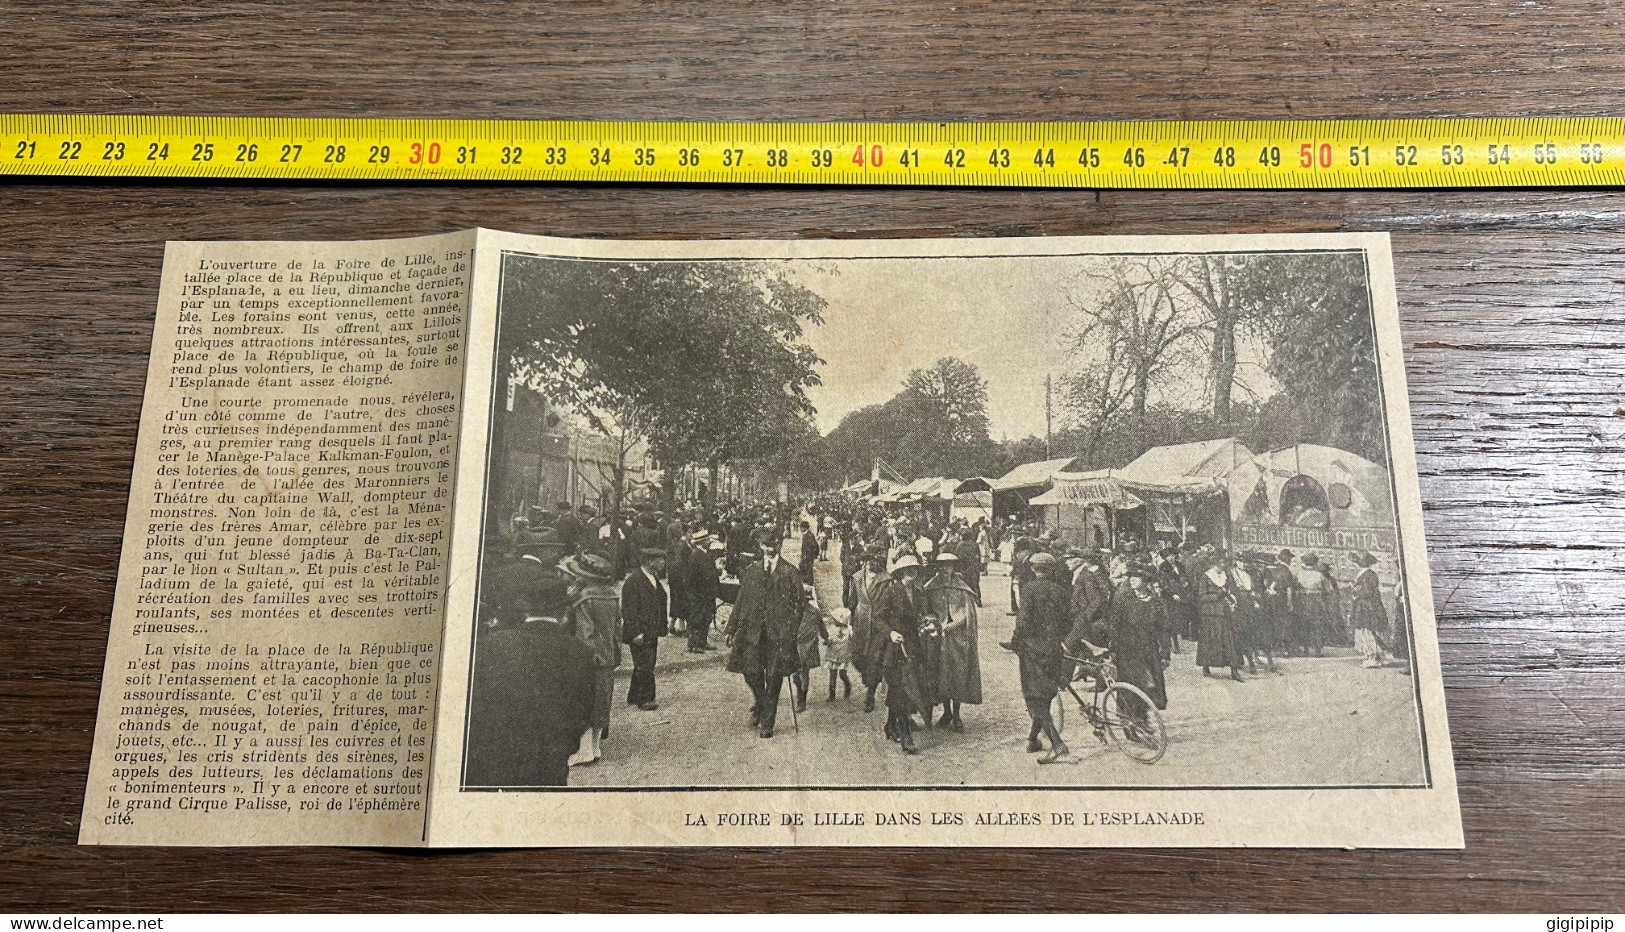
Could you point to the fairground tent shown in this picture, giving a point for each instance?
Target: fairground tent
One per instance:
(928, 488)
(919, 490)
(1183, 488)
(1030, 475)
(1199, 468)
(874, 489)
(1081, 506)
(1099, 487)
(1311, 486)
(1319, 500)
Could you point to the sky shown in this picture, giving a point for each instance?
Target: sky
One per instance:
(1005, 315)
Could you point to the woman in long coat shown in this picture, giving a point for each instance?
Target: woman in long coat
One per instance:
(899, 607)
(1367, 616)
(1218, 644)
(959, 678)
(594, 619)
(1135, 626)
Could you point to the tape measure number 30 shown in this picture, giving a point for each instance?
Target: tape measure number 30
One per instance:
(1442, 153)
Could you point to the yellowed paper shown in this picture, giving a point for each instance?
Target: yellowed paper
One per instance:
(271, 669)
(350, 607)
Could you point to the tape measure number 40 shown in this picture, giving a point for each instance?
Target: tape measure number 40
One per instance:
(1441, 153)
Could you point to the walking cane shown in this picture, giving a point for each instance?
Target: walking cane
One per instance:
(795, 721)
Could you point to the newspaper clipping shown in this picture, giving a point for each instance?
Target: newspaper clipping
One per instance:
(489, 539)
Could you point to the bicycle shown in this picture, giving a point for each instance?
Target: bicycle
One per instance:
(1119, 711)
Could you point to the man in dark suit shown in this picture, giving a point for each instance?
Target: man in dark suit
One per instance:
(678, 555)
(767, 615)
(587, 537)
(645, 616)
(1042, 625)
(569, 528)
(531, 696)
(534, 567)
(970, 560)
(809, 552)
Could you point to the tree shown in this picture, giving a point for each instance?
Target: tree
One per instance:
(705, 360)
(936, 425)
(1311, 313)
(1128, 341)
(944, 419)
(1323, 354)
(1221, 286)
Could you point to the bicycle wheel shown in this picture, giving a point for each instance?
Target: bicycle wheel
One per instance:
(1133, 722)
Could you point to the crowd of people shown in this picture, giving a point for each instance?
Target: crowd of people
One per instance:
(610, 587)
(614, 585)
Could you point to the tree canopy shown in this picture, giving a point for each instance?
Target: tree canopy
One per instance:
(1144, 323)
(936, 425)
(705, 360)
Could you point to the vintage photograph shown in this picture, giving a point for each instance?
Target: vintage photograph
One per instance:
(1119, 520)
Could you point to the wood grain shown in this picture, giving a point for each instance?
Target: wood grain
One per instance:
(1508, 300)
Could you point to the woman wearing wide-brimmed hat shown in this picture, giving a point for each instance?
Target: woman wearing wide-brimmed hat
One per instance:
(954, 604)
(899, 608)
(595, 614)
(868, 640)
(1135, 623)
(1367, 616)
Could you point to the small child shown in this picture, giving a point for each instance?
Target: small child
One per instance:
(838, 653)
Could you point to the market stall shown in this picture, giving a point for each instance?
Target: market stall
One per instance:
(1085, 508)
(1185, 488)
(1013, 491)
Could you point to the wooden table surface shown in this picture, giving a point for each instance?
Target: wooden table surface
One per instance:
(1509, 300)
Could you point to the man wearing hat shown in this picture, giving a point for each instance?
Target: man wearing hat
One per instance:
(738, 539)
(766, 618)
(1042, 626)
(679, 554)
(587, 536)
(851, 563)
(595, 616)
(970, 561)
(809, 553)
(535, 567)
(702, 586)
(1020, 570)
(531, 696)
(645, 618)
(568, 526)
(646, 532)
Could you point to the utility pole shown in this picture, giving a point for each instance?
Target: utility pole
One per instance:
(1048, 423)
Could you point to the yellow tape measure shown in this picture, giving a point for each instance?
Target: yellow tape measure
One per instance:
(1444, 153)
